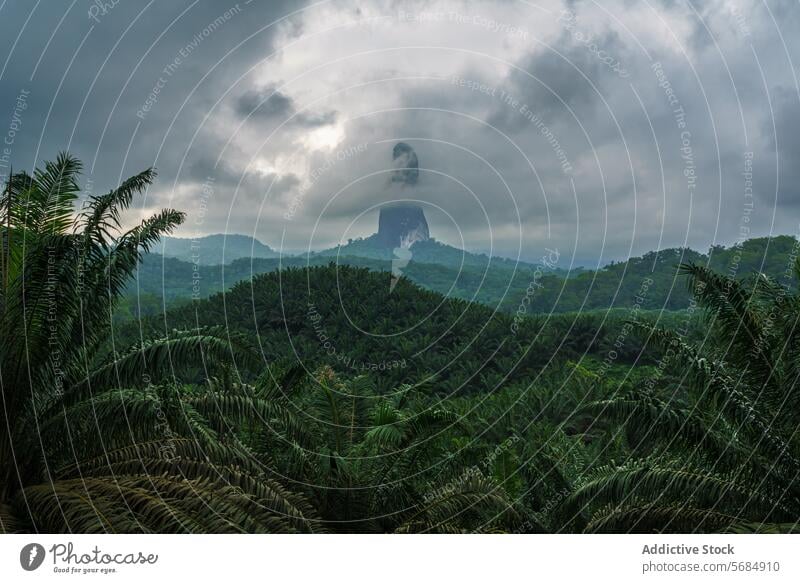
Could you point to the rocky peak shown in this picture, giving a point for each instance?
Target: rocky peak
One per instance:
(402, 225)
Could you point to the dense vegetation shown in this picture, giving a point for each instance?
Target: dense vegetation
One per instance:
(716, 449)
(319, 400)
(97, 439)
(349, 319)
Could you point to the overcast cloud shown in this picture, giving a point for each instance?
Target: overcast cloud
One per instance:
(602, 129)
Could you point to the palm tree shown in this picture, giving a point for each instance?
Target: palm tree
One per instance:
(100, 439)
(374, 463)
(718, 450)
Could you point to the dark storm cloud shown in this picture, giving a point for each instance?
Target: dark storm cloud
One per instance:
(126, 87)
(267, 103)
(271, 104)
(549, 81)
(256, 185)
(201, 167)
(225, 175)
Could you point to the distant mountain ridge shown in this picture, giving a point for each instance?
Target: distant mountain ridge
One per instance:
(503, 284)
(651, 281)
(214, 249)
(400, 226)
(403, 226)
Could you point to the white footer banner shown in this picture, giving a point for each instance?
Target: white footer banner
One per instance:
(400, 558)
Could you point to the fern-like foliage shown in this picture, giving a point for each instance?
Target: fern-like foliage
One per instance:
(101, 439)
(719, 451)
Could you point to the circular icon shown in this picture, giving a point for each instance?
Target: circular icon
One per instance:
(31, 556)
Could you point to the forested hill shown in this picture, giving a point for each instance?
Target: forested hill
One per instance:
(650, 280)
(347, 318)
(213, 249)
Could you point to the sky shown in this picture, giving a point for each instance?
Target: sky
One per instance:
(602, 130)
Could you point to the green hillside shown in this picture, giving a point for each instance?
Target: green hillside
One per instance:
(213, 249)
(649, 281)
(346, 318)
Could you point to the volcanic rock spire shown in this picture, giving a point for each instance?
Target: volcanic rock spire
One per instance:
(402, 225)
